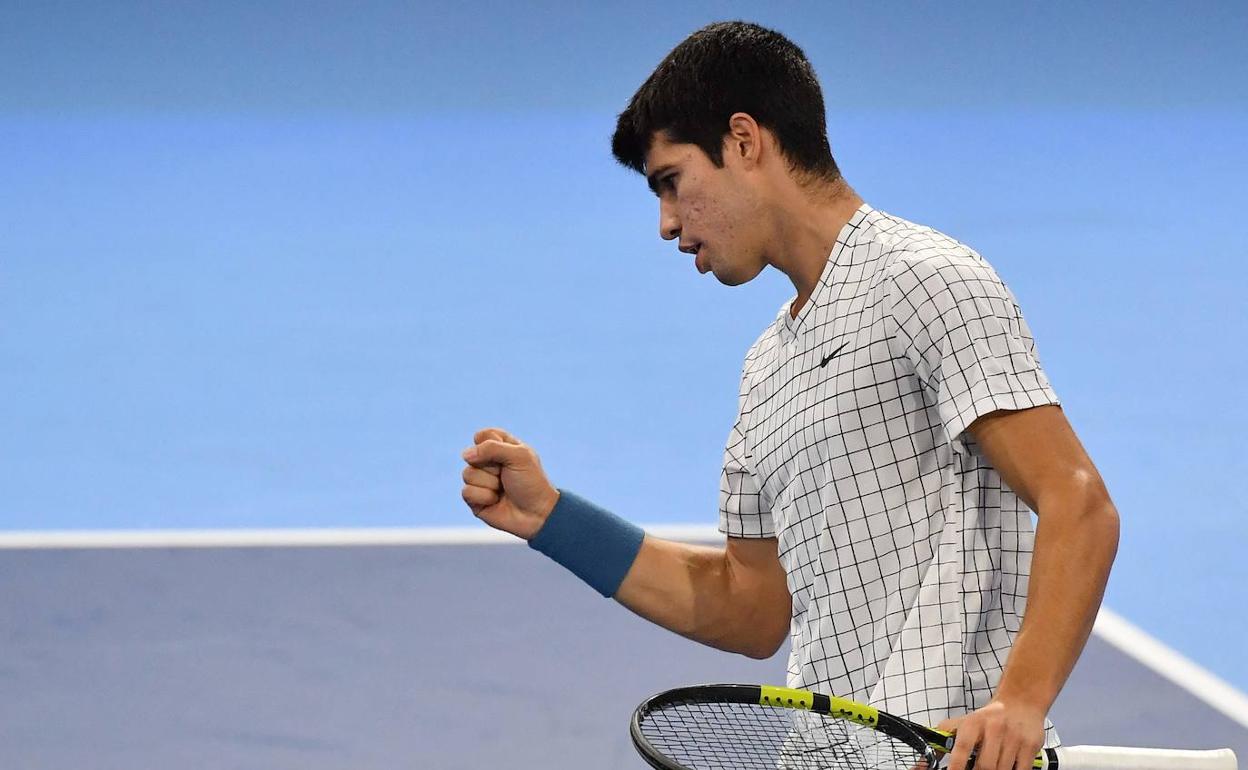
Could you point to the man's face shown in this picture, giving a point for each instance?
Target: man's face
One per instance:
(712, 211)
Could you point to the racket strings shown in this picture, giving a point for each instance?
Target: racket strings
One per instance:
(720, 736)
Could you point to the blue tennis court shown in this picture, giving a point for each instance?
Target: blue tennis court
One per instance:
(266, 269)
(378, 656)
(401, 655)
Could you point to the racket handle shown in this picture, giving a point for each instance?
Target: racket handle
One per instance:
(1125, 758)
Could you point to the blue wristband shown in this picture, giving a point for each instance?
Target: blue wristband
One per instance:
(595, 544)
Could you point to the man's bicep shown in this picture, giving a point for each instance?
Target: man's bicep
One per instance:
(755, 562)
(755, 553)
(760, 587)
(1036, 451)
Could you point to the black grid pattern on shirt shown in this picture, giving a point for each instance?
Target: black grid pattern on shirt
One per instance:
(906, 554)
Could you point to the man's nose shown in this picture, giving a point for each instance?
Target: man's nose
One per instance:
(669, 224)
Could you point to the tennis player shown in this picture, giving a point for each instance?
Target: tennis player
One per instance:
(895, 432)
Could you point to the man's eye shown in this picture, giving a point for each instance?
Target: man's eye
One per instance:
(670, 182)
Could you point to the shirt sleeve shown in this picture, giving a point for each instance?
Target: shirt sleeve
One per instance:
(741, 512)
(963, 331)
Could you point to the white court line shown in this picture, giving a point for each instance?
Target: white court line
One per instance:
(1110, 626)
(286, 538)
(1172, 665)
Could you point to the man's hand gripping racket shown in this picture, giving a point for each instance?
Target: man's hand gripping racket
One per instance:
(749, 727)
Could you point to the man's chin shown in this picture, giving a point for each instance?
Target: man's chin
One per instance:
(735, 277)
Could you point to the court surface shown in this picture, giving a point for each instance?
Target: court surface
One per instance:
(468, 655)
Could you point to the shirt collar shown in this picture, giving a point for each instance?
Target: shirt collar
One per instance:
(791, 328)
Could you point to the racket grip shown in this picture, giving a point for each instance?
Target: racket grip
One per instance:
(1125, 758)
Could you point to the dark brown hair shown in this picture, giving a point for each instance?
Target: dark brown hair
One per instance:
(724, 68)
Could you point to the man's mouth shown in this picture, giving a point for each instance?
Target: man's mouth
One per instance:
(699, 262)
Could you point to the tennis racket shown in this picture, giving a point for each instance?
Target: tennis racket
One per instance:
(745, 727)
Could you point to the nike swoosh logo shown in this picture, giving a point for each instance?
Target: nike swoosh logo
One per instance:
(834, 353)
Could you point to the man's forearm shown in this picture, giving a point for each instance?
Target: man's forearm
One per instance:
(689, 589)
(1076, 541)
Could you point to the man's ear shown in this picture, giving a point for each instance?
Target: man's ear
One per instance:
(744, 139)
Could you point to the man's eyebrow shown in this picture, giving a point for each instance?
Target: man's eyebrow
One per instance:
(653, 178)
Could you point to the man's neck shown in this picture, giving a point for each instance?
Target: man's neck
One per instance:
(808, 230)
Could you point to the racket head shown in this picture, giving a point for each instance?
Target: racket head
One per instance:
(728, 725)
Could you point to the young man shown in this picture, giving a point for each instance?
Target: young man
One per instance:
(894, 429)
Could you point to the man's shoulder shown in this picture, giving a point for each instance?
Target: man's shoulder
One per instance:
(765, 350)
(761, 348)
(921, 252)
(929, 269)
(925, 265)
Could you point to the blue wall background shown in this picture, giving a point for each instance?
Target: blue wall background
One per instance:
(270, 265)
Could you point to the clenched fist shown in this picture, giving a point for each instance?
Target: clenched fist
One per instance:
(504, 484)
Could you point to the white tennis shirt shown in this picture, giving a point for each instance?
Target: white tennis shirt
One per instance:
(907, 556)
